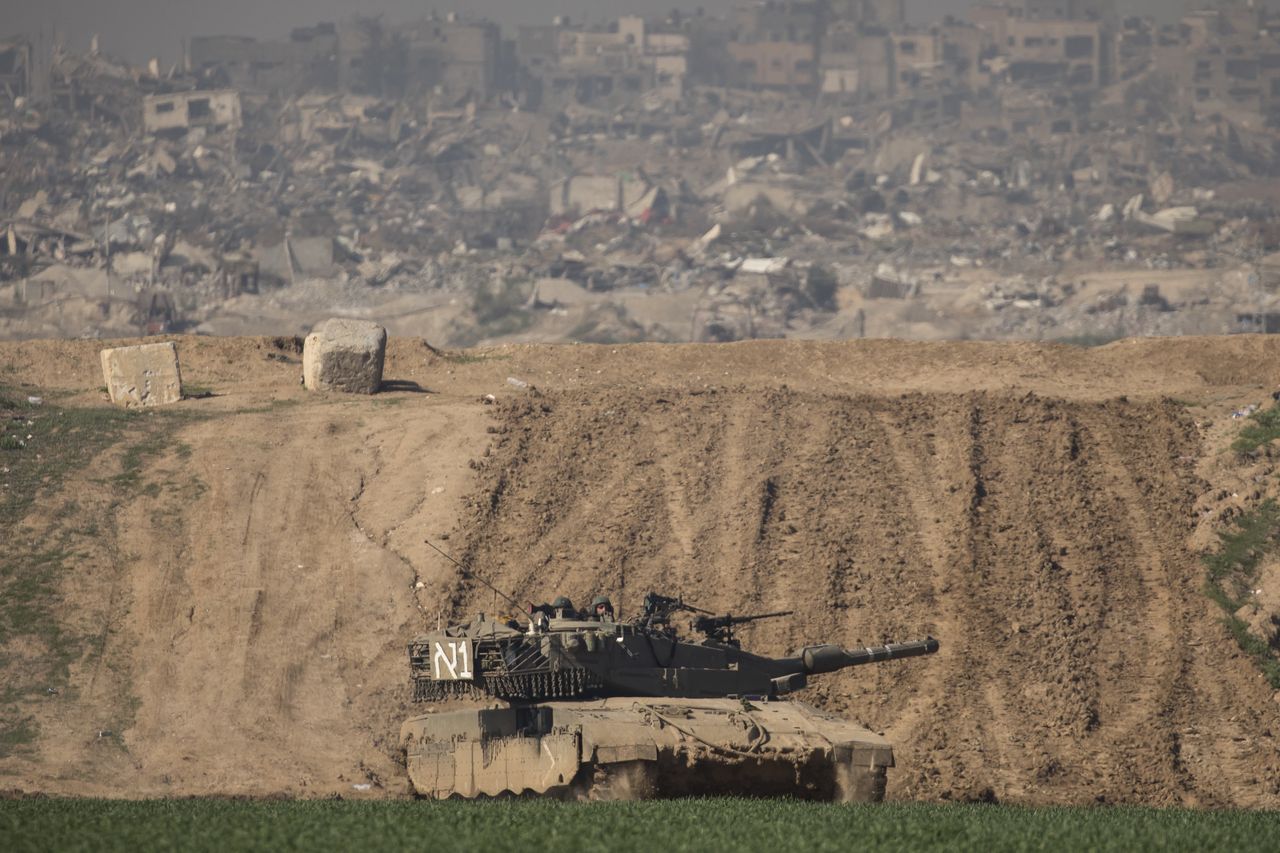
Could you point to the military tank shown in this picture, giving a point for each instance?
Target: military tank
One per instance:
(588, 706)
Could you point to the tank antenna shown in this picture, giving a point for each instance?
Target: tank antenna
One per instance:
(467, 573)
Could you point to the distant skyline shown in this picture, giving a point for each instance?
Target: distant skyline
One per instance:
(139, 29)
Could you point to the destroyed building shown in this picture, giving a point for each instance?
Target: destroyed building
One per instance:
(917, 58)
(181, 111)
(1242, 72)
(306, 61)
(15, 67)
(1230, 60)
(858, 63)
(359, 55)
(1054, 42)
(1073, 53)
(455, 56)
(776, 42)
(628, 58)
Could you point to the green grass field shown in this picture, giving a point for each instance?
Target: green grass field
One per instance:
(55, 824)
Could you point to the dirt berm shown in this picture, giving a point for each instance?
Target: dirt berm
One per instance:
(245, 601)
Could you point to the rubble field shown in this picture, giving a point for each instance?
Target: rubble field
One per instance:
(1040, 509)
(962, 202)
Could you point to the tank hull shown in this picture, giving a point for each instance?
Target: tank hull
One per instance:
(635, 748)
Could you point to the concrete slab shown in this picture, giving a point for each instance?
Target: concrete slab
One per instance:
(142, 375)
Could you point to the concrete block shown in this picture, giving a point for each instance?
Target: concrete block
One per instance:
(582, 194)
(344, 355)
(144, 375)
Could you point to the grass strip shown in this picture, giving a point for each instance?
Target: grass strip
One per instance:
(43, 445)
(525, 825)
(1233, 572)
(1262, 427)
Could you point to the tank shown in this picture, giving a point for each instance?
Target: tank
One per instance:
(587, 706)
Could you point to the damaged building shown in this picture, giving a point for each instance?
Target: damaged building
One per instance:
(454, 56)
(775, 45)
(448, 54)
(1054, 42)
(181, 111)
(306, 61)
(630, 57)
(15, 67)
(1230, 60)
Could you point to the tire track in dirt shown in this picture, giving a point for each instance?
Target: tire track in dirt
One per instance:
(779, 519)
(1145, 661)
(929, 462)
(938, 447)
(680, 517)
(281, 667)
(978, 715)
(735, 497)
(1216, 737)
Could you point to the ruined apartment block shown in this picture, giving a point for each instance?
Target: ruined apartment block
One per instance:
(621, 61)
(181, 111)
(1052, 43)
(775, 45)
(1074, 53)
(965, 50)
(15, 68)
(1228, 59)
(1210, 21)
(917, 59)
(776, 65)
(307, 61)
(855, 63)
(454, 56)
(1240, 72)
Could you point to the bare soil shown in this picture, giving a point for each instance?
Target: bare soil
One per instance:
(1036, 508)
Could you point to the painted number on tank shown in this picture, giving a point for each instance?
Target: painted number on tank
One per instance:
(451, 660)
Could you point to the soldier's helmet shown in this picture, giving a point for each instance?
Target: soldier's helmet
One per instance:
(562, 602)
(601, 605)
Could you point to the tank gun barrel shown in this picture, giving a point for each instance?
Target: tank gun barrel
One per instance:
(815, 660)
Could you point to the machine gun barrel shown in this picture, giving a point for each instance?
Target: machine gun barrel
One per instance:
(714, 624)
(819, 659)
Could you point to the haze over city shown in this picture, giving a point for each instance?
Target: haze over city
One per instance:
(140, 29)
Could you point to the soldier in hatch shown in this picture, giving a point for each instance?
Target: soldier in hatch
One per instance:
(560, 608)
(601, 609)
(564, 608)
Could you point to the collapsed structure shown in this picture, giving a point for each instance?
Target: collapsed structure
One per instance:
(819, 168)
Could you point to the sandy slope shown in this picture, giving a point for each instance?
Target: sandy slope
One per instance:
(1031, 506)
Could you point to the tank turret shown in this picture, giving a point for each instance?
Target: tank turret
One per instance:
(557, 657)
